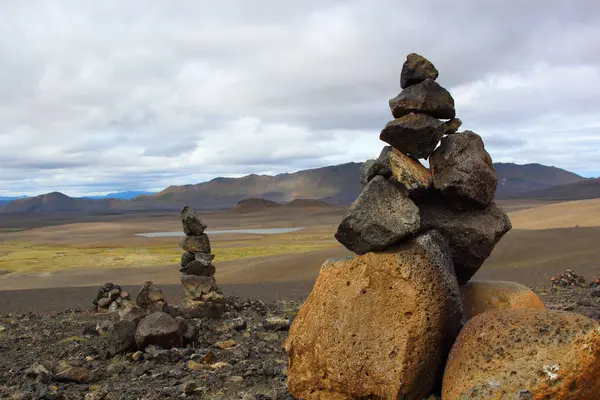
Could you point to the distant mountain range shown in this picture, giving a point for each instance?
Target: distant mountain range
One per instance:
(337, 185)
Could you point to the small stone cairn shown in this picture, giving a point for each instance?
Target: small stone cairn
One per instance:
(197, 269)
(111, 298)
(385, 323)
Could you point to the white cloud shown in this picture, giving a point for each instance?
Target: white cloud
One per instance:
(111, 95)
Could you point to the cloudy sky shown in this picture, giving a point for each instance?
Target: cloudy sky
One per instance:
(101, 96)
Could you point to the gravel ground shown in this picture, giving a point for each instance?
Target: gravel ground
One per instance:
(63, 355)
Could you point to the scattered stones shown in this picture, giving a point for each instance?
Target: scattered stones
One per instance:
(416, 135)
(189, 331)
(426, 97)
(158, 329)
(377, 325)
(416, 69)
(463, 170)
(239, 324)
(482, 296)
(39, 373)
(544, 353)
(400, 169)
(225, 344)
(380, 216)
(276, 324)
(192, 224)
(472, 234)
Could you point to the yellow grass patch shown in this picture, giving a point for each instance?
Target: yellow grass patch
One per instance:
(29, 257)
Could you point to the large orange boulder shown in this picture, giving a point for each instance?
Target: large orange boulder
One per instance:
(380, 324)
(525, 353)
(482, 296)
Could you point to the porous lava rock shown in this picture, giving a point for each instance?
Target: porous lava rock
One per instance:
(159, 329)
(416, 135)
(416, 69)
(427, 97)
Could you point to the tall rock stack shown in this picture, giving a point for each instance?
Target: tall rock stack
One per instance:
(385, 324)
(197, 269)
(382, 323)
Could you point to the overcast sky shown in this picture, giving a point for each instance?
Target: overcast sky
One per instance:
(101, 96)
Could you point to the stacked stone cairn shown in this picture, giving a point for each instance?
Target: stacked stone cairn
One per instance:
(385, 323)
(197, 269)
(110, 298)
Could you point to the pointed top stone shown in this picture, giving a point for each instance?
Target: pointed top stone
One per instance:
(416, 69)
(192, 224)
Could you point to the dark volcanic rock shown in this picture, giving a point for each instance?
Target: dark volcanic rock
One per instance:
(414, 134)
(463, 170)
(192, 224)
(367, 172)
(75, 374)
(186, 258)
(380, 216)
(416, 69)
(149, 294)
(400, 169)
(472, 234)
(196, 286)
(121, 338)
(199, 269)
(426, 97)
(189, 331)
(158, 329)
(196, 244)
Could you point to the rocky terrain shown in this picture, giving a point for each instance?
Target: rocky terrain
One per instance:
(238, 356)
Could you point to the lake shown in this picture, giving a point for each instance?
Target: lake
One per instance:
(258, 231)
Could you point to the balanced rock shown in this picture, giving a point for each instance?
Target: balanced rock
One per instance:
(198, 268)
(400, 169)
(149, 293)
(414, 134)
(380, 216)
(202, 309)
(192, 224)
(463, 170)
(482, 296)
(159, 329)
(452, 126)
(525, 353)
(368, 171)
(379, 325)
(197, 286)
(472, 234)
(426, 97)
(196, 244)
(187, 257)
(416, 69)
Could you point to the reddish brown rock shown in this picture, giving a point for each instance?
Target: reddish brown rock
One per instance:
(525, 353)
(463, 171)
(400, 169)
(482, 296)
(427, 97)
(416, 135)
(416, 69)
(377, 325)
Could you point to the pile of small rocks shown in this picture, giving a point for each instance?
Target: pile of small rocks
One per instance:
(570, 278)
(197, 269)
(403, 319)
(111, 298)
